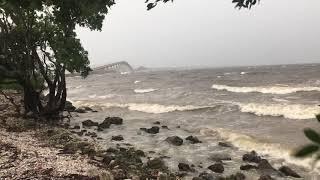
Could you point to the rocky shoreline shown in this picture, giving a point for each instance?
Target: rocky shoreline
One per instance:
(31, 149)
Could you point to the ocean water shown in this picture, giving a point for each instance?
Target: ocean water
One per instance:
(261, 108)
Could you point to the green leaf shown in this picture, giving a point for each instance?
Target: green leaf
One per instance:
(312, 135)
(306, 150)
(318, 117)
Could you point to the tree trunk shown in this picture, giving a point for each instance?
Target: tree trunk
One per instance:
(32, 101)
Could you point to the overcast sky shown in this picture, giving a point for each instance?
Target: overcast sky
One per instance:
(211, 33)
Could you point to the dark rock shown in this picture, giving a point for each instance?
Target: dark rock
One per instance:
(87, 108)
(76, 127)
(122, 149)
(107, 159)
(185, 167)
(220, 157)
(140, 153)
(265, 168)
(80, 110)
(153, 130)
(225, 144)
(92, 134)
(251, 157)
(164, 127)
(217, 168)
(237, 176)
(157, 122)
(247, 167)
(104, 125)
(100, 129)
(175, 140)
(265, 177)
(156, 163)
(89, 123)
(117, 138)
(114, 120)
(69, 107)
(193, 139)
(289, 172)
(178, 127)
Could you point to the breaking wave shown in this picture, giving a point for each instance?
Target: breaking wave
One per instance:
(144, 90)
(291, 111)
(265, 89)
(248, 143)
(147, 108)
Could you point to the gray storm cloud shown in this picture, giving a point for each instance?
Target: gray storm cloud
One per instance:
(207, 33)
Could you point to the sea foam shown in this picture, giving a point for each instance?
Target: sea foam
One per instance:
(264, 89)
(291, 111)
(247, 143)
(144, 90)
(144, 107)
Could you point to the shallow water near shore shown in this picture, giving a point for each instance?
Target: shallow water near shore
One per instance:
(254, 108)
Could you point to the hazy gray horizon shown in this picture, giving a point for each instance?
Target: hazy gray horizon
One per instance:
(207, 34)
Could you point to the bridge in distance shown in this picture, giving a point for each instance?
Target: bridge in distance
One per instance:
(121, 67)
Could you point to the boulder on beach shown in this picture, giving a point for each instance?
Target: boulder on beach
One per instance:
(251, 157)
(89, 123)
(86, 108)
(193, 139)
(114, 120)
(248, 167)
(289, 172)
(69, 107)
(185, 167)
(265, 168)
(217, 168)
(156, 163)
(103, 125)
(164, 127)
(225, 144)
(117, 138)
(152, 130)
(79, 110)
(157, 122)
(175, 140)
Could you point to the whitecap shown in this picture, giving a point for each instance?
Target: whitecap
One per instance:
(265, 90)
(144, 90)
(136, 82)
(291, 111)
(144, 107)
(248, 143)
